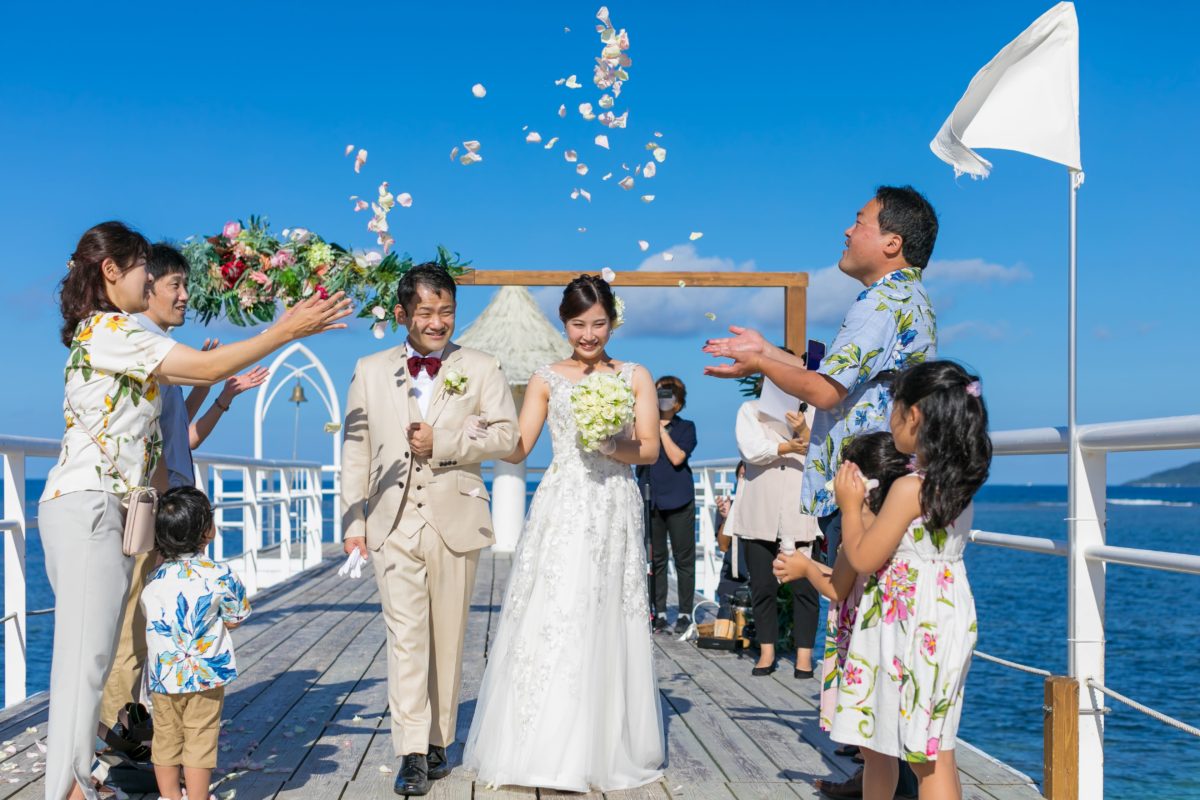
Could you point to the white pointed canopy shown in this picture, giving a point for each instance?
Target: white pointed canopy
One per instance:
(514, 329)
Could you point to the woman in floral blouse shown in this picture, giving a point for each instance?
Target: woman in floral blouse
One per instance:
(111, 401)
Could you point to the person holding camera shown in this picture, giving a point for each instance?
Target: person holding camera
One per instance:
(672, 504)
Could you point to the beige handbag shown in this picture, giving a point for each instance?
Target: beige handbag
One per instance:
(141, 503)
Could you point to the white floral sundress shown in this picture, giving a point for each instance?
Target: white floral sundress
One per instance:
(901, 686)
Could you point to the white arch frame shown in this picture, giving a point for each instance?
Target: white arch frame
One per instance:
(280, 378)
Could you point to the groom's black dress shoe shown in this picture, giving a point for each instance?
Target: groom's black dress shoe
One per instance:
(439, 764)
(413, 778)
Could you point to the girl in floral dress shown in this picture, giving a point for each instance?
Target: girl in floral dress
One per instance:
(901, 688)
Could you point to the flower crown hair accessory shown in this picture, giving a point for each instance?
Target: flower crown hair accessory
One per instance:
(974, 389)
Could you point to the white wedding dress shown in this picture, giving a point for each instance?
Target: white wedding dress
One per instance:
(569, 699)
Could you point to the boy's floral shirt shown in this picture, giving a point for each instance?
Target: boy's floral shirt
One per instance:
(110, 384)
(188, 603)
(890, 326)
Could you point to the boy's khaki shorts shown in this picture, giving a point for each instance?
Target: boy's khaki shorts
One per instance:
(186, 727)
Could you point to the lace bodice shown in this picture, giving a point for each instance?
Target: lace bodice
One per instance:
(564, 434)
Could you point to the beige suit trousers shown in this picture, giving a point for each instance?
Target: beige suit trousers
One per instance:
(125, 679)
(425, 590)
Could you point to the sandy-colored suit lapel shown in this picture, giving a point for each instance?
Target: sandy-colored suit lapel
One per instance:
(451, 359)
(399, 385)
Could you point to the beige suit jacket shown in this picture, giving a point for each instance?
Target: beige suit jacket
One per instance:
(384, 487)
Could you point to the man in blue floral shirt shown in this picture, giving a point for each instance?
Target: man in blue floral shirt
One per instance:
(890, 326)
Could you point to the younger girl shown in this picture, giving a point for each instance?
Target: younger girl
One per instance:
(877, 458)
(900, 694)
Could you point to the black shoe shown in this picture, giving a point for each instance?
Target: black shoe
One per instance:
(660, 623)
(682, 623)
(802, 674)
(439, 764)
(413, 778)
(758, 672)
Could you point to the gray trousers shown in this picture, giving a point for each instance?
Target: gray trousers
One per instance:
(81, 534)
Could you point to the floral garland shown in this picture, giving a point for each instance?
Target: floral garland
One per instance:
(245, 271)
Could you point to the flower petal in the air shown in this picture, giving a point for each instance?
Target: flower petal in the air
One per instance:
(478, 90)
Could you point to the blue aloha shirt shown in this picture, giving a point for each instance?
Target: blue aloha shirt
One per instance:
(188, 602)
(890, 326)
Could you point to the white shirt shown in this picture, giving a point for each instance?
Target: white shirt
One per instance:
(764, 507)
(422, 384)
(111, 391)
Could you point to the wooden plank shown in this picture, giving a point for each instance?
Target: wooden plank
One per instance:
(1060, 747)
(548, 793)
(699, 790)
(504, 793)
(629, 277)
(761, 790)
(976, 766)
(775, 729)
(688, 762)
(651, 791)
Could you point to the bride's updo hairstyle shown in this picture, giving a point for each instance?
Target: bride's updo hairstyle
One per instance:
(585, 292)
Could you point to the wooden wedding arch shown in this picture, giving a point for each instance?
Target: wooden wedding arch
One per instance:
(794, 285)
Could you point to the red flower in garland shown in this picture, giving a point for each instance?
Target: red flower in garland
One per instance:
(232, 271)
(322, 292)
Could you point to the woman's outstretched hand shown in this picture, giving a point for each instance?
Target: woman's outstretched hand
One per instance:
(314, 315)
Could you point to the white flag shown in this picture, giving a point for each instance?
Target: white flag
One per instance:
(1025, 99)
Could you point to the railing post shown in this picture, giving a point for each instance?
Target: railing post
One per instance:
(285, 522)
(218, 495)
(14, 578)
(1060, 744)
(1085, 611)
(314, 523)
(251, 530)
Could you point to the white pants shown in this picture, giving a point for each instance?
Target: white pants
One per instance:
(81, 534)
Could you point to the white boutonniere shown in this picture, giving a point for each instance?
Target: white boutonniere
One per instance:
(455, 382)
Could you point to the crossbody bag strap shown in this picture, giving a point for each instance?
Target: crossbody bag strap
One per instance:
(78, 421)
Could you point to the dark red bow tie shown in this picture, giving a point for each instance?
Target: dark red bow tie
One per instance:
(431, 364)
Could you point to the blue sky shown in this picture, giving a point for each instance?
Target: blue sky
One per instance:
(779, 120)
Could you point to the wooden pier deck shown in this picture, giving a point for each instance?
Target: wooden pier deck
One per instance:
(307, 717)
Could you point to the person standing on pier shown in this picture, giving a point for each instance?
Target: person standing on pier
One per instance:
(110, 447)
(166, 310)
(420, 418)
(890, 326)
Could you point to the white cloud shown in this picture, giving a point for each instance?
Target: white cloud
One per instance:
(974, 270)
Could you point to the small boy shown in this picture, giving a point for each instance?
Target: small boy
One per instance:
(190, 603)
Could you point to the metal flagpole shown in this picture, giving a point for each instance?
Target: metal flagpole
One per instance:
(1072, 433)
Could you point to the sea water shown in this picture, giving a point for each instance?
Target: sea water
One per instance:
(1021, 598)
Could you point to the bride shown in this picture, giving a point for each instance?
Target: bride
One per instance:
(569, 699)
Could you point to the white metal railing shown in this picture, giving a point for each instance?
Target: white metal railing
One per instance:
(275, 507)
(1086, 550)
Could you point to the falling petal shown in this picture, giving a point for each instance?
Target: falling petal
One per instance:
(574, 194)
(647, 198)
(668, 256)
(471, 158)
(566, 30)
(573, 83)
(472, 145)
(657, 134)
(560, 81)
(585, 109)
(377, 330)
(586, 195)
(524, 127)
(682, 284)
(359, 160)
(660, 154)
(360, 205)
(608, 275)
(453, 152)
(478, 90)
(349, 149)
(581, 169)
(379, 312)
(385, 769)
(583, 230)
(550, 143)
(474, 492)
(533, 137)
(606, 101)
(625, 166)
(637, 170)
(602, 15)
(649, 170)
(711, 316)
(562, 111)
(607, 175)
(696, 235)
(642, 243)
(626, 183)
(602, 141)
(404, 199)
(570, 155)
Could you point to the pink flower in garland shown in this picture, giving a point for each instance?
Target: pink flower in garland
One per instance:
(231, 230)
(283, 258)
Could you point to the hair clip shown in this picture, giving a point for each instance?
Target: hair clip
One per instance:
(70, 263)
(974, 389)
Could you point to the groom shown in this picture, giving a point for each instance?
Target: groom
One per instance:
(419, 420)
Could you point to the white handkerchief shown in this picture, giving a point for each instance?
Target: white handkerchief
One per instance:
(353, 565)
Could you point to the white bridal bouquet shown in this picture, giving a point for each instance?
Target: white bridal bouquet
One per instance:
(603, 405)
